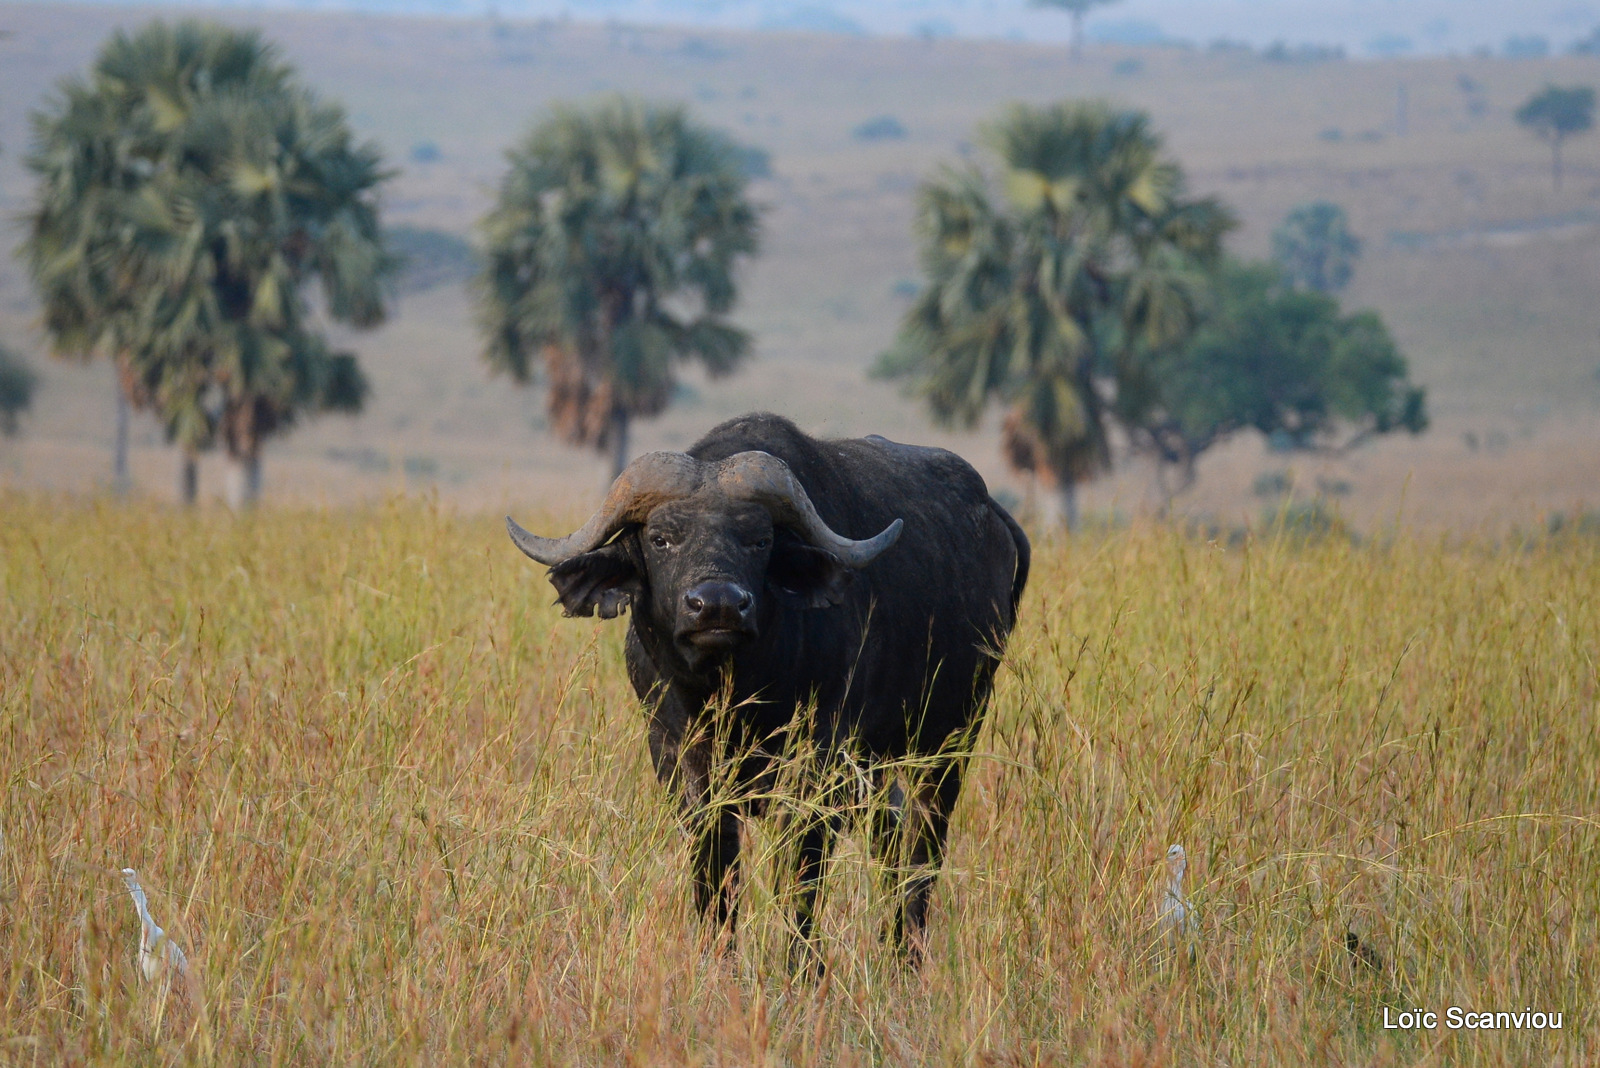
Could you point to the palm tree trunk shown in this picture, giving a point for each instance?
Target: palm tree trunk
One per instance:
(1555, 163)
(242, 435)
(244, 480)
(1182, 467)
(1077, 35)
(188, 478)
(619, 441)
(1069, 505)
(1164, 488)
(120, 482)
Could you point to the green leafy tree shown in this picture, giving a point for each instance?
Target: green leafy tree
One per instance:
(610, 261)
(189, 193)
(1077, 9)
(1315, 249)
(1555, 114)
(1283, 361)
(17, 382)
(1052, 280)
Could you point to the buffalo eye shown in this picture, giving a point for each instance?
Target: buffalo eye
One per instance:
(659, 541)
(761, 543)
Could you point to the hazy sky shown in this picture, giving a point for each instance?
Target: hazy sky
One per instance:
(1362, 27)
(1365, 26)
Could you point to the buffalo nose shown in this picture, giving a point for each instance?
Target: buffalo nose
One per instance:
(714, 600)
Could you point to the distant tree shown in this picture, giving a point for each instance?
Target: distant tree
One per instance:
(1530, 46)
(1314, 247)
(189, 192)
(1305, 53)
(429, 258)
(1050, 282)
(1282, 361)
(1077, 9)
(1555, 114)
(1473, 95)
(610, 259)
(880, 128)
(17, 379)
(4, 34)
(1587, 45)
(17, 382)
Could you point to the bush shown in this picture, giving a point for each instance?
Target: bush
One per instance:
(880, 128)
(17, 382)
(1273, 485)
(1282, 52)
(1306, 521)
(1529, 47)
(431, 257)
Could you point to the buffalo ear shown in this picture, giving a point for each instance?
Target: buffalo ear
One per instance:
(606, 580)
(812, 577)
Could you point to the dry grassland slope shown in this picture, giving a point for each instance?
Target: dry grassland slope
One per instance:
(1486, 276)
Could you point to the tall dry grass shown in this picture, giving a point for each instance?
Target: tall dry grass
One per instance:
(396, 810)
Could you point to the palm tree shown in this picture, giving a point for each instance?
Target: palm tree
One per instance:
(1315, 248)
(1052, 280)
(611, 252)
(272, 194)
(188, 193)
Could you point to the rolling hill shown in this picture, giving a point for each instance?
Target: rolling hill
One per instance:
(1486, 275)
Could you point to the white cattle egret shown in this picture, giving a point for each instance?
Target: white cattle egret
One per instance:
(158, 954)
(1177, 915)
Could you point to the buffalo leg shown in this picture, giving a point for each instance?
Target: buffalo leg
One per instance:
(909, 840)
(684, 765)
(715, 864)
(813, 839)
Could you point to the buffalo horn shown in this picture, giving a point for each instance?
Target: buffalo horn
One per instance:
(652, 479)
(762, 478)
(658, 477)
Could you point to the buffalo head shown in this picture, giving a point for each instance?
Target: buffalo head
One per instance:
(705, 551)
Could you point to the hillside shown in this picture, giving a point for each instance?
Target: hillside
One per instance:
(1485, 275)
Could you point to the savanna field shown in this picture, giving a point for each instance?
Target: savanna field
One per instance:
(396, 810)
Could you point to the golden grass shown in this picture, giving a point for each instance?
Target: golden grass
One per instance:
(397, 811)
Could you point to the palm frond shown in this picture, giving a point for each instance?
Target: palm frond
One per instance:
(187, 192)
(1045, 277)
(608, 216)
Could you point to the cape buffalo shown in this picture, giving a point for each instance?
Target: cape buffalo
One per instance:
(855, 592)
